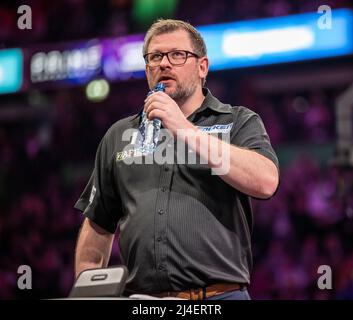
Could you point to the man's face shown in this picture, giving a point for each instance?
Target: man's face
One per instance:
(180, 81)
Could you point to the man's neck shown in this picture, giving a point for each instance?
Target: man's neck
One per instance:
(192, 103)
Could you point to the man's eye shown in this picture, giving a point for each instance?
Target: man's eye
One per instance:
(155, 57)
(178, 54)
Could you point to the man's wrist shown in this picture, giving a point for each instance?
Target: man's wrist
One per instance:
(187, 132)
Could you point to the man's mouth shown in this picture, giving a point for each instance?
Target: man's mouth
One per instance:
(165, 79)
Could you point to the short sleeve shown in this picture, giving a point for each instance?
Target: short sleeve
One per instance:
(100, 201)
(250, 133)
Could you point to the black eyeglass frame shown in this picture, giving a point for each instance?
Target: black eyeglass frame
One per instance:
(188, 54)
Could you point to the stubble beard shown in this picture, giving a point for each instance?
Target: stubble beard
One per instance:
(183, 92)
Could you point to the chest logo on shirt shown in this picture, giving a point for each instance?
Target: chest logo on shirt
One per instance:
(122, 155)
(217, 128)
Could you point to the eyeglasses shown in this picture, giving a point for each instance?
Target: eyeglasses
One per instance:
(175, 57)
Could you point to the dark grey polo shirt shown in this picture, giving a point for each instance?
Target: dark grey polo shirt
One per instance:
(180, 226)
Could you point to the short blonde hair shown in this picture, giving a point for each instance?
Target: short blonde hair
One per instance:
(169, 25)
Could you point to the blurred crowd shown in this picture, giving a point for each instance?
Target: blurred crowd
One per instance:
(310, 225)
(45, 162)
(81, 19)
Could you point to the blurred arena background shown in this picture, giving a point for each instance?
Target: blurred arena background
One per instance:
(76, 72)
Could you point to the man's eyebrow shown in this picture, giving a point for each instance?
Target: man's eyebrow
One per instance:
(173, 49)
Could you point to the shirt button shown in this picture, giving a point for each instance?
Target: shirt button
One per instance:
(161, 267)
(161, 211)
(159, 239)
(163, 189)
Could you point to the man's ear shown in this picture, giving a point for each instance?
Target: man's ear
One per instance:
(203, 67)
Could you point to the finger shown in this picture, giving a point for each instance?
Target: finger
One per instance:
(157, 96)
(155, 105)
(153, 94)
(149, 102)
(156, 114)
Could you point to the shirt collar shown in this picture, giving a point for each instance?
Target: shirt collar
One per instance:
(213, 103)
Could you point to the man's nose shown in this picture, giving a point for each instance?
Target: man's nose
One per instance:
(165, 62)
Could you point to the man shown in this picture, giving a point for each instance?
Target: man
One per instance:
(184, 232)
